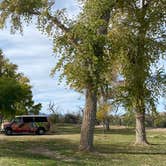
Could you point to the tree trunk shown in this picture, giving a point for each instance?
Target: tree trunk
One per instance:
(88, 123)
(140, 129)
(107, 124)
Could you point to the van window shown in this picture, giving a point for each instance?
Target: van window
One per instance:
(17, 120)
(28, 119)
(40, 119)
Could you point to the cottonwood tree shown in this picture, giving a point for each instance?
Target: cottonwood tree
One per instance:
(94, 25)
(138, 29)
(84, 62)
(82, 46)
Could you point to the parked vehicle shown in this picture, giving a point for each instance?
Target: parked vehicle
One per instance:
(36, 124)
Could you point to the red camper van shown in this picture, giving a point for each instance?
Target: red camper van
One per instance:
(37, 124)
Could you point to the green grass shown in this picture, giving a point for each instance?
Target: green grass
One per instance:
(113, 148)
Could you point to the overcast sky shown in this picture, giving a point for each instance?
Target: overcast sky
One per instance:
(32, 52)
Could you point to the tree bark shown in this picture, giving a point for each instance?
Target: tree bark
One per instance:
(88, 123)
(140, 129)
(107, 124)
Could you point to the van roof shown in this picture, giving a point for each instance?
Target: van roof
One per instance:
(31, 116)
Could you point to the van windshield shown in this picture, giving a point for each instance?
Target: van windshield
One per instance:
(17, 120)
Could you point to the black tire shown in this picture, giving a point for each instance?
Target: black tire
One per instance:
(8, 131)
(41, 131)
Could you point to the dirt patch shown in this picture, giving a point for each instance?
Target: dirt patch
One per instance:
(157, 129)
(112, 127)
(51, 154)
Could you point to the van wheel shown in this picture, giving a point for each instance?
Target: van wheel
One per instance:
(8, 131)
(40, 131)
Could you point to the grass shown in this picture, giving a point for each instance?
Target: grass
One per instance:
(113, 148)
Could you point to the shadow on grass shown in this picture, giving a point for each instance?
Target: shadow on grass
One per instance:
(129, 150)
(40, 150)
(152, 149)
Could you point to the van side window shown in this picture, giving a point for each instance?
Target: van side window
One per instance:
(17, 120)
(41, 119)
(28, 119)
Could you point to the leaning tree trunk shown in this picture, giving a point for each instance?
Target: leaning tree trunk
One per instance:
(140, 129)
(88, 123)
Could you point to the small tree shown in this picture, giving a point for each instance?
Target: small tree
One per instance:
(54, 110)
(103, 115)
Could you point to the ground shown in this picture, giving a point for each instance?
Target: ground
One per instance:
(112, 148)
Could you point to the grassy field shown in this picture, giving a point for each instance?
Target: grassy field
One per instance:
(114, 148)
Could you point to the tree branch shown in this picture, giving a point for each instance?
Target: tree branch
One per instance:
(54, 19)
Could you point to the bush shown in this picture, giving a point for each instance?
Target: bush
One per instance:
(72, 118)
(160, 121)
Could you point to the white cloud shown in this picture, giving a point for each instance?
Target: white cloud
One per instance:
(72, 6)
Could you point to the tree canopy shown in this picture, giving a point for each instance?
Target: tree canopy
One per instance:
(138, 38)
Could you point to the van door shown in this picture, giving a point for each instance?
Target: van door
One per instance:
(16, 124)
(28, 124)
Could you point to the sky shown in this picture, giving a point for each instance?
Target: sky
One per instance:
(33, 54)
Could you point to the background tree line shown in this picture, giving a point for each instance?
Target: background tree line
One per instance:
(114, 117)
